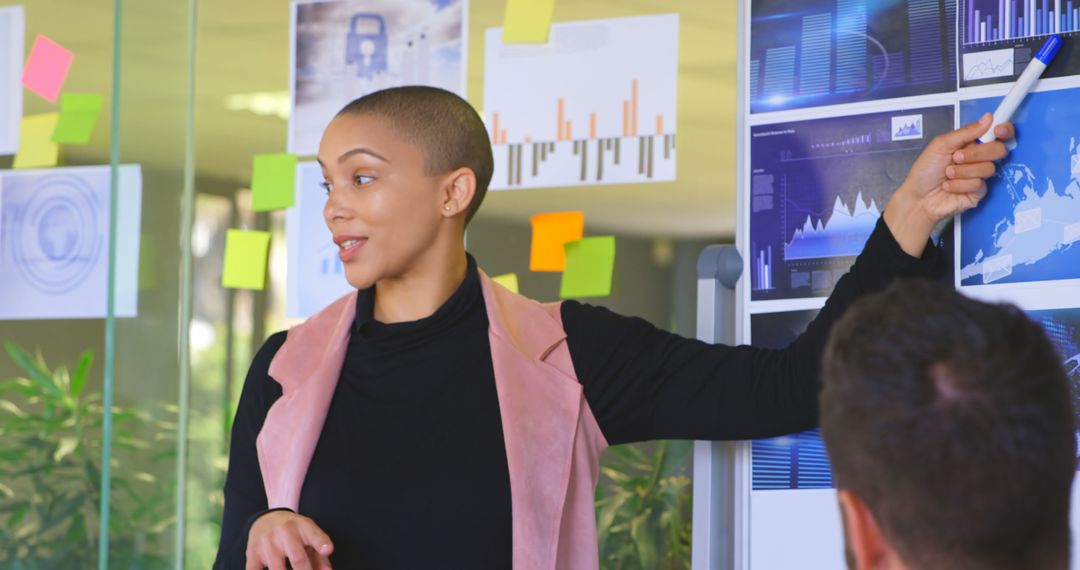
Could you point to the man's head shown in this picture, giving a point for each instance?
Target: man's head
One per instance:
(406, 168)
(951, 433)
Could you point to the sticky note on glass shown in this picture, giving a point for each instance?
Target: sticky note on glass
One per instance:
(36, 148)
(550, 232)
(509, 280)
(527, 21)
(590, 266)
(78, 114)
(246, 254)
(273, 179)
(47, 68)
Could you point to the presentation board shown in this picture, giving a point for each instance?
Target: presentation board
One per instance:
(836, 100)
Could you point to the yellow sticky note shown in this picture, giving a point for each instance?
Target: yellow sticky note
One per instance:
(78, 115)
(590, 267)
(527, 21)
(246, 253)
(36, 148)
(273, 181)
(550, 232)
(509, 280)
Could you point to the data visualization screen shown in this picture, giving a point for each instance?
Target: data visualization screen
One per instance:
(825, 52)
(817, 189)
(998, 38)
(796, 461)
(1028, 226)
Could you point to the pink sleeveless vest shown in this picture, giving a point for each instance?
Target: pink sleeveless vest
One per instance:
(553, 442)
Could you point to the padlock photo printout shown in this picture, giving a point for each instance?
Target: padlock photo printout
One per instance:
(344, 49)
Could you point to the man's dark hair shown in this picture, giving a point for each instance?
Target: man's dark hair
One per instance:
(952, 420)
(442, 125)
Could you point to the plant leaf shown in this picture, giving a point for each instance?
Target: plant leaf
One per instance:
(67, 445)
(38, 374)
(78, 381)
(12, 408)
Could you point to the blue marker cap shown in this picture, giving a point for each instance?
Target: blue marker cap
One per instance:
(1049, 49)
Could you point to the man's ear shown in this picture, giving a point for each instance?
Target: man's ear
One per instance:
(867, 548)
(458, 192)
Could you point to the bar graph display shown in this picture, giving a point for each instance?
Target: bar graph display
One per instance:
(795, 461)
(1062, 327)
(599, 108)
(999, 37)
(825, 52)
(817, 189)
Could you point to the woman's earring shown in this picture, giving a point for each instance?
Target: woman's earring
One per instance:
(447, 208)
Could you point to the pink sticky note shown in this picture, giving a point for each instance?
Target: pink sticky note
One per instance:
(47, 68)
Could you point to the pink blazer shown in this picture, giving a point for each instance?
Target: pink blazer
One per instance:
(553, 442)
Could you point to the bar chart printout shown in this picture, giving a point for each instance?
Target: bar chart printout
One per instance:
(998, 38)
(599, 108)
(1062, 327)
(817, 189)
(794, 461)
(826, 52)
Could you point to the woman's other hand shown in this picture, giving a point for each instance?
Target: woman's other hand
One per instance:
(948, 178)
(278, 536)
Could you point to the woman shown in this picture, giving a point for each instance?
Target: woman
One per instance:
(434, 419)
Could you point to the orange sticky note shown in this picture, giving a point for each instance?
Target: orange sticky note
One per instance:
(47, 68)
(550, 232)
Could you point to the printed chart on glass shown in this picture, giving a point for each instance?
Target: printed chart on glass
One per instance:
(998, 38)
(826, 52)
(315, 276)
(817, 189)
(54, 242)
(1062, 327)
(1028, 227)
(797, 461)
(11, 64)
(600, 107)
(344, 49)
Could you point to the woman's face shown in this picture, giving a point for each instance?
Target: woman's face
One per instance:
(383, 210)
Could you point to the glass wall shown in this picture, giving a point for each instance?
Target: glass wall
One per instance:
(93, 248)
(191, 92)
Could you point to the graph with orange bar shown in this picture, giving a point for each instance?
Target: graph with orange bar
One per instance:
(594, 105)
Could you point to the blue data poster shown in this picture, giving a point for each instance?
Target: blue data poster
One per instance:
(817, 189)
(795, 461)
(1028, 227)
(1062, 326)
(825, 52)
(316, 276)
(998, 38)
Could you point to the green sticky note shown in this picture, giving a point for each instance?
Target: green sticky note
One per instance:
(590, 266)
(78, 114)
(36, 149)
(527, 21)
(246, 253)
(273, 181)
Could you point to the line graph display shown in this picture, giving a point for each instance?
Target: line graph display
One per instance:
(600, 107)
(796, 461)
(1028, 226)
(825, 52)
(999, 37)
(1062, 327)
(817, 189)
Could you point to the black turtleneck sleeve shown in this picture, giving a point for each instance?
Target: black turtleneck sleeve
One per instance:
(644, 383)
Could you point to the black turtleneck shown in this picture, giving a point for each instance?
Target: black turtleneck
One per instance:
(410, 469)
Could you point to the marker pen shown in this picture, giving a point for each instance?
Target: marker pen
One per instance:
(1023, 85)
